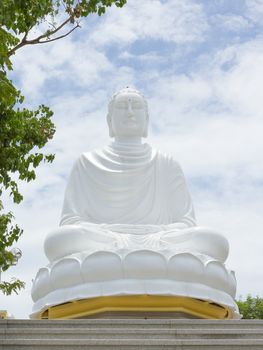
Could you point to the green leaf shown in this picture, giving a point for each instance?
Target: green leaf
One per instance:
(14, 285)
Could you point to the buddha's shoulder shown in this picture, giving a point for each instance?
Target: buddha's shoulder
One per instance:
(88, 154)
(85, 157)
(168, 159)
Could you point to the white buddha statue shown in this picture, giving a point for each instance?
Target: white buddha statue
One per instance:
(128, 228)
(129, 195)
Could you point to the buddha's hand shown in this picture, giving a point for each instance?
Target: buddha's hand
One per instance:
(133, 229)
(176, 226)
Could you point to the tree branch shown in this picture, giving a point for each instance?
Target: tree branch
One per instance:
(37, 40)
(21, 44)
(59, 37)
(48, 33)
(24, 37)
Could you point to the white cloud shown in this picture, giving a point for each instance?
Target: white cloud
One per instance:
(225, 86)
(66, 61)
(152, 57)
(231, 22)
(255, 11)
(171, 21)
(239, 86)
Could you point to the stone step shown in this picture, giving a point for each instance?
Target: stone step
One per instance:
(132, 344)
(133, 333)
(135, 323)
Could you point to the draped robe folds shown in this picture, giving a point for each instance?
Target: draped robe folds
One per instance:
(130, 189)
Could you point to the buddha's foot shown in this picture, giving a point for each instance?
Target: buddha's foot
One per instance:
(198, 239)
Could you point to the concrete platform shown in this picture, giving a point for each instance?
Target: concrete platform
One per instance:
(131, 334)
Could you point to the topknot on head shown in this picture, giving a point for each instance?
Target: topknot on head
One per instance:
(127, 90)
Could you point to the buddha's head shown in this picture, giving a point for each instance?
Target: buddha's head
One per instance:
(128, 114)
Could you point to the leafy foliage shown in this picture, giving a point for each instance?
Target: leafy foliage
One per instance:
(14, 286)
(24, 132)
(251, 308)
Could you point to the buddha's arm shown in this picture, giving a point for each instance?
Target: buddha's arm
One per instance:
(75, 201)
(176, 226)
(179, 200)
(144, 229)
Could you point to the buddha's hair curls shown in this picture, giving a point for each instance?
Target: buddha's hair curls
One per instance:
(111, 103)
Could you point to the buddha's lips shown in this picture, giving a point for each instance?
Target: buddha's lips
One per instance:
(129, 122)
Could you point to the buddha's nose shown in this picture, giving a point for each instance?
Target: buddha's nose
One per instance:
(130, 110)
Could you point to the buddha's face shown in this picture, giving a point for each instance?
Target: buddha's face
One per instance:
(129, 117)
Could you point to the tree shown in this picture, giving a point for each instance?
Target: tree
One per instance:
(25, 132)
(251, 308)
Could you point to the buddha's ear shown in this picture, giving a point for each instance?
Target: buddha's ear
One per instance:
(111, 134)
(145, 131)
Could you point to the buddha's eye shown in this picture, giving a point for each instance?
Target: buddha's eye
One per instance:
(137, 105)
(121, 105)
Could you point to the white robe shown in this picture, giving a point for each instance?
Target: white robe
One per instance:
(131, 197)
(124, 184)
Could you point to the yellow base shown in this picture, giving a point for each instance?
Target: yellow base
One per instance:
(136, 303)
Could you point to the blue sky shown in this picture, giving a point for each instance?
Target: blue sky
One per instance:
(199, 64)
